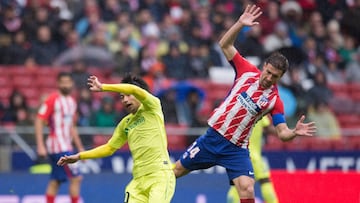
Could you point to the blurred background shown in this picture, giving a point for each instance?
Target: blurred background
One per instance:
(173, 45)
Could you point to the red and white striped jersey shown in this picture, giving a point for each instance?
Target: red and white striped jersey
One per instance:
(59, 112)
(245, 104)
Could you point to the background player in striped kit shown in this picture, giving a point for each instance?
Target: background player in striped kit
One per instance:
(59, 112)
(253, 95)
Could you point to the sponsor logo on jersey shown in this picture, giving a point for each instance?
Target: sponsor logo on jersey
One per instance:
(248, 103)
(137, 122)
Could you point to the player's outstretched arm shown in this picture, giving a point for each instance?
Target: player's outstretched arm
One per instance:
(301, 129)
(68, 159)
(129, 89)
(248, 18)
(98, 152)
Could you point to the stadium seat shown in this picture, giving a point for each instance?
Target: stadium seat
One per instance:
(353, 142)
(29, 93)
(348, 119)
(176, 136)
(273, 143)
(343, 104)
(355, 96)
(338, 88)
(23, 81)
(47, 90)
(33, 102)
(100, 140)
(5, 93)
(4, 80)
(200, 83)
(298, 144)
(339, 144)
(320, 144)
(47, 81)
(354, 87)
(19, 70)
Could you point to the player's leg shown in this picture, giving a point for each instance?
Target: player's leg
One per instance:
(57, 176)
(232, 196)
(262, 175)
(245, 188)
(237, 162)
(74, 189)
(268, 191)
(135, 192)
(62, 174)
(162, 186)
(52, 190)
(199, 155)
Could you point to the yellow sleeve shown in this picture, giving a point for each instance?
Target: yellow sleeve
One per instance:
(118, 139)
(128, 89)
(147, 99)
(98, 152)
(265, 121)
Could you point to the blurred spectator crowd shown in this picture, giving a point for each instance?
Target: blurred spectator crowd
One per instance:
(173, 45)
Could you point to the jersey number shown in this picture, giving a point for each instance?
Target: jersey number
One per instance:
(193, 150)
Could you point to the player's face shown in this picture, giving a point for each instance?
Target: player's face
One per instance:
(269, 76)
(65, 85)
(130, 103)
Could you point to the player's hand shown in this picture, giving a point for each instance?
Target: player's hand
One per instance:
(94, 83)
(251, 13)
(68, 159)
(305, 129)
(41, 151)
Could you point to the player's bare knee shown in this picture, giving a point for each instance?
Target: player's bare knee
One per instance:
(249, 189)
(76, 180)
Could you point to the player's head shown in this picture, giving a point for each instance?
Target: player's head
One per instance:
(65, 83)
(274, 68)
(130, 103)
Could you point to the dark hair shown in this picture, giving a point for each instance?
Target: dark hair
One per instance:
(63, 74)
(278, 61)
(135, 80)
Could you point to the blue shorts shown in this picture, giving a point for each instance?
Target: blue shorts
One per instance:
(62, 173)
(213, 149)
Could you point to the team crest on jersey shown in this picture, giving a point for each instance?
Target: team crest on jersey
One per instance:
(263, 101)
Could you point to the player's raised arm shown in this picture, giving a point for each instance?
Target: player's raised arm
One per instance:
(128, 89)
(248, 18)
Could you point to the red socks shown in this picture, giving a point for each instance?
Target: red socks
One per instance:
(50, 198)
(75, 199)
(247, 200)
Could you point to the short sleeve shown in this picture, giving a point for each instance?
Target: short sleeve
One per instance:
(265, 121)
(278, 113)
(46, 109)
(241, 65)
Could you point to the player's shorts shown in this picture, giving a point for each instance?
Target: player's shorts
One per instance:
(213, 149)
(62, 173)
(158, 187)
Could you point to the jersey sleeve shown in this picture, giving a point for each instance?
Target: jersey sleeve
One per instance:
(265, 121)
(118, 139)
(148, 100)
(277, 113)
(241, 65)
(46, 109)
